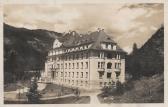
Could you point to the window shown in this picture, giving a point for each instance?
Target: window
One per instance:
(65, 74)
(82, 55)
(73, 66)
(115, 65)
(109, 65)
(77, 56)
(65, 65)
(72, 74)
(65, 58)
(98, 64)
(87, 55)
(77, 65)
(73, 57)
(72, 82)
(101, 75)
(114, 47)
(109, 46)
(109, 55)
(106, 46)
(108, 75)
(86, 74)
(86, 65)
(81, 74)
(76, 82)
(102, 64)
(69, 65)
(61, 74)
(52, 74)
(99, 55)
(81, 65)
(69, 74)
(70, 57)
(77, 75)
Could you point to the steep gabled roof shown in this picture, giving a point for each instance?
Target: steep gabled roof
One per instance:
(101, 36)
(96, 38)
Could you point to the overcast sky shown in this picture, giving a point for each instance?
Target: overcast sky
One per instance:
(125, 23)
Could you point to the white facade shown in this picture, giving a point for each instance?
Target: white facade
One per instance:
(83, 67)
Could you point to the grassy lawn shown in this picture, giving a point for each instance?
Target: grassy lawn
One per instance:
(54, 90)
(14, 86)
(145, 90)
(67, 100)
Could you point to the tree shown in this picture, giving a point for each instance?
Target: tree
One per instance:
(33, 95)
(135, 48)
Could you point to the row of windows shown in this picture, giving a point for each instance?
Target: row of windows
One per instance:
(77, 56)
(73, 65)
(80, 56)
(70, 57)
(78, 83)
(60, 51)
(108, 75)
(106, 83)
(108, 46)
(101, 65)
(71, 74)
(77, 65)
(116, 56)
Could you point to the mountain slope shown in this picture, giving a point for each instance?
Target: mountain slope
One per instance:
(26, 49)
(149, 59)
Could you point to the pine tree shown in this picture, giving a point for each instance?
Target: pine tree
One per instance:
(33, 95)
(135, 48)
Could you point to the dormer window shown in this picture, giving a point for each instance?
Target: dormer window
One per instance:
(114, 47)
(106, 46)
(109, 46)
(57, 43)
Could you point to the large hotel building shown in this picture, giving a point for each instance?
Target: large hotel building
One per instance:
(89, 61)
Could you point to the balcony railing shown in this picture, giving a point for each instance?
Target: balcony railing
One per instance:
(109, 70)
(54, 69)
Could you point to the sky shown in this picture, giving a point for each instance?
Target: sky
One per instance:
(125, 23)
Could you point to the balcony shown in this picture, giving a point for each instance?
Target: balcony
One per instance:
(117, 69)
(100, 69)
(54, 69)
(109, 70)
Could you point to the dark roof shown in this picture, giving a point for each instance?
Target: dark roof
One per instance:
(73, 39)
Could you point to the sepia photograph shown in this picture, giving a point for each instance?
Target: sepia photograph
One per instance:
(83, 53)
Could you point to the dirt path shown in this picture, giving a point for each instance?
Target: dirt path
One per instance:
(94, 99)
